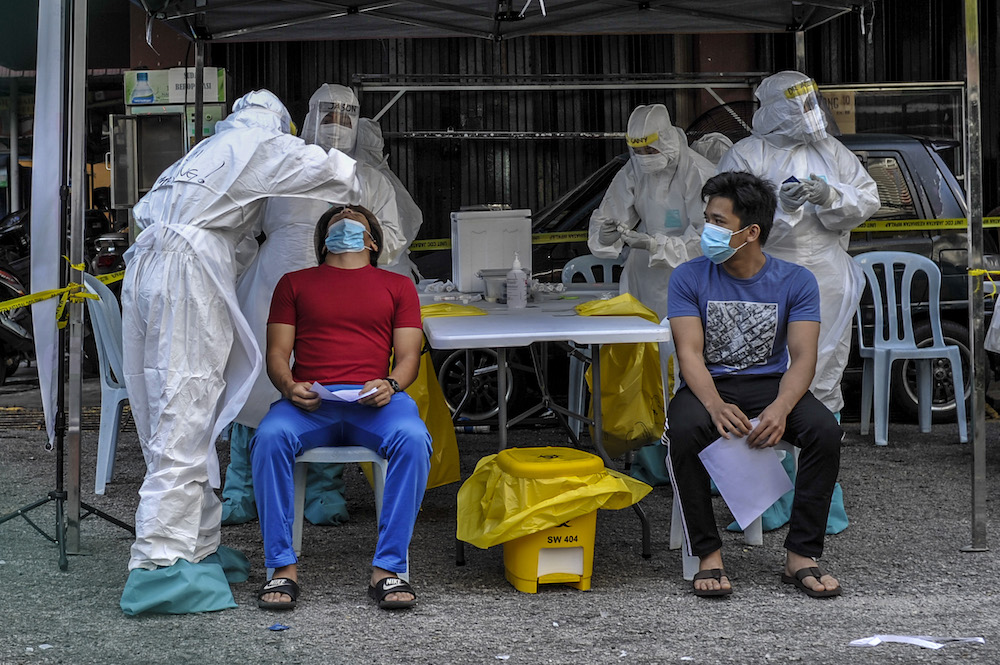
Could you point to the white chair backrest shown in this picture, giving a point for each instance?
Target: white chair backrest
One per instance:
(106, 318)
(587, 266)
(893, 298)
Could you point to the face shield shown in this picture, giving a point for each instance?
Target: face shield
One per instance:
(336, 125)
(806, 96)
(791, 109)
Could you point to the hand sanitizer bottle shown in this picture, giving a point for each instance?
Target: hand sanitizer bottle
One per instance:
(517, 286)
(143, 93)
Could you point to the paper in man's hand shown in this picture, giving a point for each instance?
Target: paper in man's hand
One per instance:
(749, 479)
(345, 395)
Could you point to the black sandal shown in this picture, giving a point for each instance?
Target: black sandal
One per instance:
(387, 585)
(278, 585)
(810, 571)
(714, 574)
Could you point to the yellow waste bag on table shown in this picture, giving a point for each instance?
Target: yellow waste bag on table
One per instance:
(495, 506)
(631, 383)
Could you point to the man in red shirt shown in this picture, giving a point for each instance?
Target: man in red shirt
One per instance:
(343, 320)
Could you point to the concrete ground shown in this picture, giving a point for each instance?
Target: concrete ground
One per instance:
(899, 561)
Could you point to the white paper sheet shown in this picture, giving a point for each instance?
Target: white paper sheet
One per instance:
(749, 479)
(924, 641)
(344, 395)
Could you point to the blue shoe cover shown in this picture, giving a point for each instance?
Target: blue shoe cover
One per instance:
(325, 502)
(183, 588)
(238, 505)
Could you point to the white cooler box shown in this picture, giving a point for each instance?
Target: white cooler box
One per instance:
(488, 239)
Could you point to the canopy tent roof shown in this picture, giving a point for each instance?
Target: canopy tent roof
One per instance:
(297, 20)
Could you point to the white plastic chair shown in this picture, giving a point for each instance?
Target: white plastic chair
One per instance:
(338, 455)
(106, 319)
(588, 266)
(752, 535)
(593, 270)
(890, 343)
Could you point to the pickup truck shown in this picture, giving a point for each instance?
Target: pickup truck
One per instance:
(923, 211)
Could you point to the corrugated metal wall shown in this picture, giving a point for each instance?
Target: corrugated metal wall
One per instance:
(906, 40)
(445, 174)
(913, 40)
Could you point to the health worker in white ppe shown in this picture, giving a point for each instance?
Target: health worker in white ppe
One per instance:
(371, 152)
(332, 122)
(189, 355)
(823, 193)
(653, 206)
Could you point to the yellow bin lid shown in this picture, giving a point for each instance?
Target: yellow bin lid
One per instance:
(548, 462)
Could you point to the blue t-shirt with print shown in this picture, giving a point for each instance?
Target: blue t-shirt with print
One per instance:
(745, 320)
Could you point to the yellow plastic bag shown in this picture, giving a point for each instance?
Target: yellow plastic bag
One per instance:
(495, 507)
(427, 393)
(449, 309)
(631, 384)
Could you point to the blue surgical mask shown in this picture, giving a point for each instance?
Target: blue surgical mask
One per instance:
(715, 243)
(346, 235)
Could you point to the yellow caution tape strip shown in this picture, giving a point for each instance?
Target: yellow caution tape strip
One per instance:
(872, 226)
(70, 292)
(957, 224)
(536, 239)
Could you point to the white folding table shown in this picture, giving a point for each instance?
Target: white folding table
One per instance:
(549, 321)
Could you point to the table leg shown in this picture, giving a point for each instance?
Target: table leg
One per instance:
(502, 396)
(468, 387)
(595, 400)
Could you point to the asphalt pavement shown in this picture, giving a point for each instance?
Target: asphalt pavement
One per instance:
(900, 563)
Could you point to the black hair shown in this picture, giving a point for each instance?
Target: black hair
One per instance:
(753, 198)
(324, 222)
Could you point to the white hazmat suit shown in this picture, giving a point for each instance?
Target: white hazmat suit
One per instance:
(190, 356)
(289, 225)
(371, 152)
(654, 205)
(823, 192)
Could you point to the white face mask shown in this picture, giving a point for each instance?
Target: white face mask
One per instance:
(337, 136)
(651, 163)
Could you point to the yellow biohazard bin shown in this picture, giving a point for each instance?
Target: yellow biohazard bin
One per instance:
(563, 554)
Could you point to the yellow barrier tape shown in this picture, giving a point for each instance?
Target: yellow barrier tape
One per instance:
(428, 245)
(871, 226)
(955, 224)
(111, 277)
(536, 239)
(30, 299)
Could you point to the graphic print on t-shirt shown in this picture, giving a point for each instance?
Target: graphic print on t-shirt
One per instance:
(739, 334)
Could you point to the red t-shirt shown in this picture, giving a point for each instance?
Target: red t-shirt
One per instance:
(344, 320)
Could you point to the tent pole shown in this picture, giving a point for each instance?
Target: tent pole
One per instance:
(800, 51)
(199, 93)
(976, 299)
(14, 176)
(77, 69)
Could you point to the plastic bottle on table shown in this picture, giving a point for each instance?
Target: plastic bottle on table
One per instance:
(517, 286)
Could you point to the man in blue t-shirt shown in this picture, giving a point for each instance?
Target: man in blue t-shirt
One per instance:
(746, 330)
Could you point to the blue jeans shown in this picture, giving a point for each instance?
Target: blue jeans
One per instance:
(394, 431)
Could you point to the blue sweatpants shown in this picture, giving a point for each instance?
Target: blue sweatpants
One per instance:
(395, 431)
